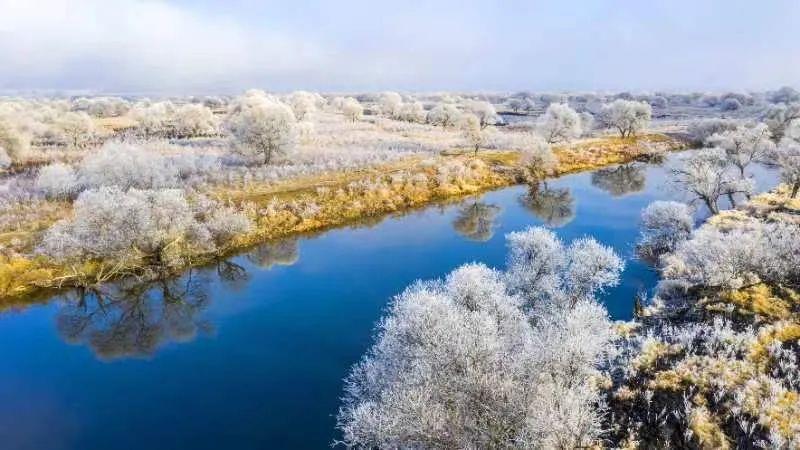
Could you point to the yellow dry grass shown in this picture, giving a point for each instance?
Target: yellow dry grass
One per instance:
(313, 203)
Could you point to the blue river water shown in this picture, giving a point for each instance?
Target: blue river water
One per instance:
(250, 353)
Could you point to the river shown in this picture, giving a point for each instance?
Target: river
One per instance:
(251, 353)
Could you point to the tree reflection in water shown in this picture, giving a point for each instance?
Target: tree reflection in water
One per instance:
(475, 221)
(620, 180)
(553, 206)
(282, 253)
(134, 318)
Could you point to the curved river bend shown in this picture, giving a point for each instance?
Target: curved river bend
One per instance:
(251, 353)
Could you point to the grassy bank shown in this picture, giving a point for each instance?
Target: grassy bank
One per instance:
(313, 203)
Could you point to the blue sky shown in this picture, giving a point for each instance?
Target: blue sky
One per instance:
(202, 46)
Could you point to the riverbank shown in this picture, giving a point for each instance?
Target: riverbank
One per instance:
(315, 203)
(718, 351)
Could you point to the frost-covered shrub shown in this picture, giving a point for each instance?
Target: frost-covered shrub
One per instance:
(627, 117)
(262, 128)
(226, 223)
(126, 166)
(665, 224)
(58, 180)
(151, 119)
(700, 130)
(15, 142)
(444, 115)
(730, 104)
(193, 120)
(560, 123)
(112, 224)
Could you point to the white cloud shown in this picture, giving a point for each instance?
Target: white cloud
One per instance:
(139, 45)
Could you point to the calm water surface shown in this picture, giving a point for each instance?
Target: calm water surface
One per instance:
(251, 353)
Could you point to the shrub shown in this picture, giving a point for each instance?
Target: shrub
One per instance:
(58, 181)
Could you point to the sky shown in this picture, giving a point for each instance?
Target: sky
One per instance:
(207, 47)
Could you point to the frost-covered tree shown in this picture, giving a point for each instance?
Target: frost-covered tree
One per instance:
(627, 117)
(263, 128)
(302, 103)
(389, 104)
(787, 156)
(514, 104)
(744, 145)
(77, 127)
(484, 111)
(786, 94)
(706, 174)
(127, 166)
(536, 158)
(445, 115)
(560, 123)
(352, 109)
(463, 363)
(58, 181)
(664, 225)
(194, 120)
(412, 112)
(475, 135)
(779, 117)
(541, 269)
(123, 226)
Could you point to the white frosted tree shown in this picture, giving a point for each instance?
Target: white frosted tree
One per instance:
(302, 103)
(444, 115)
(77, 127)
(263, 129)
(352, 109)
(474, 134)
(626, 116)
(787, 156)
(744, 145)
(779, 117)
(536, 158)
(463, 363)
(560, 123)
(484, 111)
(664, 225)
(412, 112)
(389, 104)
(706, 174)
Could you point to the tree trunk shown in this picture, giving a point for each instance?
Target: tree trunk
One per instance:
(795, 189)
(712, 206)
